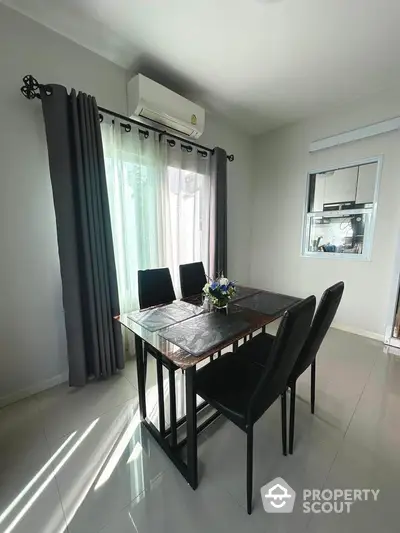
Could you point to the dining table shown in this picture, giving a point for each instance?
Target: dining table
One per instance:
(181, 335)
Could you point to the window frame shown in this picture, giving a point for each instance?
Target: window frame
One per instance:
(369, 234)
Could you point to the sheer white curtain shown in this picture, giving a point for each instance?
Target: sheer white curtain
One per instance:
(134, 182)
(160, 202)
(187, 200)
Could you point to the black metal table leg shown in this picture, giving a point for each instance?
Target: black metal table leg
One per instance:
(191, 427)
(164, 445)
(145, 359)
(140, 376)
(182, 420)
(172, 407)
(161, 407)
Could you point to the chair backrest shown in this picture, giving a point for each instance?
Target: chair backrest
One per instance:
(155, 287)
(291, 336)
(322, 320)
(193, 278)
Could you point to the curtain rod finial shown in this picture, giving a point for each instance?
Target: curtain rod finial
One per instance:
(30, 88)
(230, 157)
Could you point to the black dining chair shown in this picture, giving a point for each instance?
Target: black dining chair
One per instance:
(322, 320)
(155, 288)
(193, 278)
(321, 323)
(235, 387)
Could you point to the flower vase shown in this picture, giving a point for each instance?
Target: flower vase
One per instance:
(223, 309)
(219, 292)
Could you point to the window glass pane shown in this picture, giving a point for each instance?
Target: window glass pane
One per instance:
(345, 188)
(366, 183)
(320, 184)
(338, 234)
(333, 190)
(340, 186)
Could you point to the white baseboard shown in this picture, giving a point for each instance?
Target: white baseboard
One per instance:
(34, 389)
(357, 331)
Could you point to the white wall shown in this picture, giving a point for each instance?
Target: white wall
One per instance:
(282, 162)
(32, 333)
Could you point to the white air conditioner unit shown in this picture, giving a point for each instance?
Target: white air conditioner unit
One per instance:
(152, 101)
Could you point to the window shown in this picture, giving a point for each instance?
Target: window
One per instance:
(340, 211)
(160, 201)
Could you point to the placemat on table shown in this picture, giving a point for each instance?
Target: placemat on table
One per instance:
(158, 318)
(269, 303)
(200, 334)
(244, 292)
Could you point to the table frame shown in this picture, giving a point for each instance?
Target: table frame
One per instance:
(167, 438)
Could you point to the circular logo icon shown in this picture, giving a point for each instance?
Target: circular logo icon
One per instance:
(194, 120)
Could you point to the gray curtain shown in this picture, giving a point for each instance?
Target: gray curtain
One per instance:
(220, 190)
(90, 293)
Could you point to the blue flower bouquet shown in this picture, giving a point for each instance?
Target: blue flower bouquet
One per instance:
(219, 291)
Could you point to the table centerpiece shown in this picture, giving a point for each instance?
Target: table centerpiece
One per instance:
(219, 291)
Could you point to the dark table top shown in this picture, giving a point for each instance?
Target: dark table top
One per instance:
(186, 333)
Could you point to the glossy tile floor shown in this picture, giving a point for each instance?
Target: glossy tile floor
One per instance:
(78, 460)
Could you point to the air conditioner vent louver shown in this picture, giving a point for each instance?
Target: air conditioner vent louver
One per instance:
(166, 121)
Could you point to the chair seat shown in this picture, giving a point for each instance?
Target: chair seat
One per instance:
(257, 349)
(228, 384)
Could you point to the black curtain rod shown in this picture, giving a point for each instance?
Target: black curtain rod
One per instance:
(171, 142)
(31, 89)
(161, 132)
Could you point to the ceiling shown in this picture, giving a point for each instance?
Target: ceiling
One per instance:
(263, 63)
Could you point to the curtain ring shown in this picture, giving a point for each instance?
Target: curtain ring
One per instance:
(145, 133)
(186, 148)
(171, 142)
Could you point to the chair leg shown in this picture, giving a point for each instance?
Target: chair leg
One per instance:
(313, 369)
(249, 469)
(284, 423)
(292, 416)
